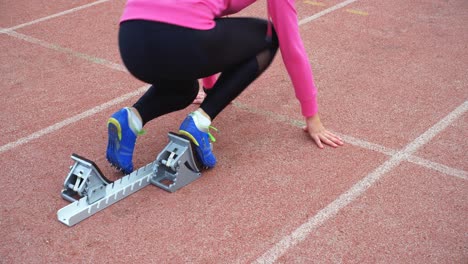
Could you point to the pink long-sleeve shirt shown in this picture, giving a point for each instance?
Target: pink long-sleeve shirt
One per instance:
(200, 14)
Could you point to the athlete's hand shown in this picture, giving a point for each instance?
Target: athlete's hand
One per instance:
(319, 134)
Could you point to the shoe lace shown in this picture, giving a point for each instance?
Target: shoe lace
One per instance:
(141, 132)
(212, 138)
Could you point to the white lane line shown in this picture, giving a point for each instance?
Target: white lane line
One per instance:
(390, 152)
(71, 120)
(96, 60)
(358, 189)
(436, 129)
(366, 145)
(297, 123)
(326, 11)
(357, 142)
(5, 30)
(439, 167)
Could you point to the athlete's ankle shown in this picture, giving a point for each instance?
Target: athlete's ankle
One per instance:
(135, 121)
(201, 119)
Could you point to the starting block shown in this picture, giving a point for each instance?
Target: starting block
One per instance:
(90, 192)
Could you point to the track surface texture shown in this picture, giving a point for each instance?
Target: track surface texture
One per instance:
(392, 82)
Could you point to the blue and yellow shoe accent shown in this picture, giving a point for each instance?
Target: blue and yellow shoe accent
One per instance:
(201, 140)
(121, 141)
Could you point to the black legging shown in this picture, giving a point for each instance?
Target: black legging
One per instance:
(173, 58)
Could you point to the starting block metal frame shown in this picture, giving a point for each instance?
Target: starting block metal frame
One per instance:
(90, 192)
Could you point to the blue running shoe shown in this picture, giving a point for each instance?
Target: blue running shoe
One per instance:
(121, 142)
(201, 140)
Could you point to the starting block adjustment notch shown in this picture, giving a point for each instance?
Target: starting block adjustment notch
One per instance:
(114, 192)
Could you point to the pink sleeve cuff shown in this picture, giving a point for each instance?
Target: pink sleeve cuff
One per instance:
(309, 107)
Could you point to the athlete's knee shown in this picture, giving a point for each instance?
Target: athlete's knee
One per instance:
(185, 93)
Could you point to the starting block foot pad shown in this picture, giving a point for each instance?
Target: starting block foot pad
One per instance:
(90, 192)
(175, 166)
